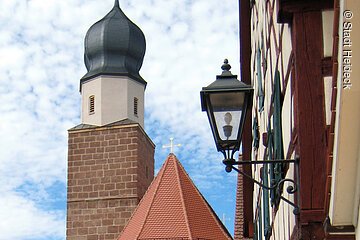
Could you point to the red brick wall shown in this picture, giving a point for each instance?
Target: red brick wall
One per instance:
(239, 213)
(109, 170)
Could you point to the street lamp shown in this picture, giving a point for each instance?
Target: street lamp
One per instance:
(226, 101)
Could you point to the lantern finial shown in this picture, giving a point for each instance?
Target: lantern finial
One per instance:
(226, 66)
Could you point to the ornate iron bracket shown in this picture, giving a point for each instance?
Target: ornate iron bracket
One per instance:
(291, 189)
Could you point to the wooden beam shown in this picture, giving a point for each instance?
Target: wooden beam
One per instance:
(310, 113)
(292, 6)
(287, 8)
(309, 215)
(327, 67)
(339, 230)
(245, 56)
(340, 237)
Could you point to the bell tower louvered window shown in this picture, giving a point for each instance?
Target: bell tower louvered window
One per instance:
(92, 104)
(136, 106)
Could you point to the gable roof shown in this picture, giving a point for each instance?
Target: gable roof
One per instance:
(173, 208)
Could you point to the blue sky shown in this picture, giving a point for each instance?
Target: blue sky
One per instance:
(41, 63)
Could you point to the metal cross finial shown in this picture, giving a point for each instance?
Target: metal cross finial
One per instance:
(171, 145)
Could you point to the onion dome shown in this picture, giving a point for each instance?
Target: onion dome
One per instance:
(114, 46)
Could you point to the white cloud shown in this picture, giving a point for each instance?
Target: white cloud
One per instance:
(21, 219)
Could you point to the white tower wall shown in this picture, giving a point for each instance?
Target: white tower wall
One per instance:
(113, 100)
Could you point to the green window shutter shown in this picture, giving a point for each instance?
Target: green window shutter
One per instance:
(278, 143)
(260, 222)
(259, 81)
(256, 134)
(277, 129)
(270, 150)
(266, 209)
(264, 61)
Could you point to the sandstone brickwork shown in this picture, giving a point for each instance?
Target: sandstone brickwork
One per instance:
(239, 230)
(109, 170)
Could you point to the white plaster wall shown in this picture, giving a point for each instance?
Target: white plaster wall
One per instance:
(328, 25)
(345, 171)
(356, 218)
(286, 118)
(114, 100)
(137, 90)
(357, 234)
(328, 93)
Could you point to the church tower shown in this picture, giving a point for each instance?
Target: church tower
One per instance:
(110, 157)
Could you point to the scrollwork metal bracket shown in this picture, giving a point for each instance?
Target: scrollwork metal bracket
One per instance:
(291, 189)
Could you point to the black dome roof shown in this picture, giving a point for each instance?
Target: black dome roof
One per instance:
(114, 46)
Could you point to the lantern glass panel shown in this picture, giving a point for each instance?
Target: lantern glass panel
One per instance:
(227, 108)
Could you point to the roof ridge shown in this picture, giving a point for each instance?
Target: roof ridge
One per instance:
(182, 195)
(160, 176)
(213, 215)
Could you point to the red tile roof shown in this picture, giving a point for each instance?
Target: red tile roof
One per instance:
(173, 208)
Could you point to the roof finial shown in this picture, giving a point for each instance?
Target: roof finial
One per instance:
(171, 145)
(117, 4)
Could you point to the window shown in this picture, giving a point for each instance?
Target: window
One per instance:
(135, 106)
(92, 104)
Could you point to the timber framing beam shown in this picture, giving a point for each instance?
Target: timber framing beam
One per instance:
(245, 56)
(310, 116)
(288, 7)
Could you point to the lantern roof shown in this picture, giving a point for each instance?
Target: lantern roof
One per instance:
(224, 82)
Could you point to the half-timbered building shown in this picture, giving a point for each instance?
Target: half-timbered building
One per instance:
(301, 56)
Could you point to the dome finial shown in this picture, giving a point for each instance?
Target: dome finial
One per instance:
(116, 4)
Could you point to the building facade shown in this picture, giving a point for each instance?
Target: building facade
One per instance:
(300, 58)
